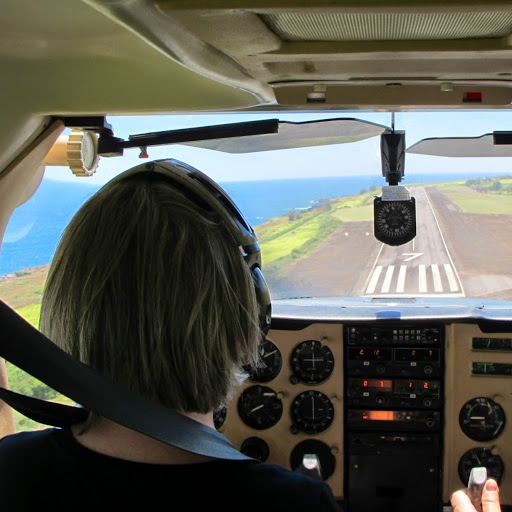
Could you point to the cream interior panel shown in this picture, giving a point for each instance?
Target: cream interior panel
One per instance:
(279, 439)
(461, 386)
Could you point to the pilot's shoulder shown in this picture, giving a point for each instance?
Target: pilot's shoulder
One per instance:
(15, 444)
(278, 485)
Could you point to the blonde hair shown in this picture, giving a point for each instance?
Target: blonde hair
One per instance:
(152, 291)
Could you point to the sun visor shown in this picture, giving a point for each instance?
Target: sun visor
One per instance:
(297, 135)
(497, 144)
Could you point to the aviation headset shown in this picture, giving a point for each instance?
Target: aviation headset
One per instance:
(208, 195)
(27, 348)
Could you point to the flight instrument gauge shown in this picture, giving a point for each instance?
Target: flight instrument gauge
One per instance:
(481, 457)
(394, 221)
(482, 419)
(271, 363)
(311, 362)
(312, 412)
(259, 407)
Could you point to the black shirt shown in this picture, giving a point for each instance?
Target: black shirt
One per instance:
(50, 470)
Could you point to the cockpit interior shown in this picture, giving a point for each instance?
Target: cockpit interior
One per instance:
(369, 145)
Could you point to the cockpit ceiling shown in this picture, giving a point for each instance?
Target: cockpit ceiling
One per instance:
(344, 45)
(425, 26)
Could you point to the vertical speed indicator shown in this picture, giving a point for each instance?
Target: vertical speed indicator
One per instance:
(311, 362)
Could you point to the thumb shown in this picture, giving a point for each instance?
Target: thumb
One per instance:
(491, 497)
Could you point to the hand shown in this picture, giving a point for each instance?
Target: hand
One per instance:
(490, 499)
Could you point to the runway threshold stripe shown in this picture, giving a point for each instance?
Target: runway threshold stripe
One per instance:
(374, 280)
(422, 278)
(450, 274)
(386, 285)
(400, 285)
(438, 285)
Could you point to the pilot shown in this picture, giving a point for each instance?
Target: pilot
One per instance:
(150, 289)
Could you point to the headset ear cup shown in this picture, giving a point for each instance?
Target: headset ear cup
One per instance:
(263, 298)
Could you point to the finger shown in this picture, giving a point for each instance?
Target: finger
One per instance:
(491, 497)
(461, 502)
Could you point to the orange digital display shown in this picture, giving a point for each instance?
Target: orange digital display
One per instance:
(372, 384)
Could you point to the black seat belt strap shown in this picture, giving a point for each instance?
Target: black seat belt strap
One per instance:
(24, 346)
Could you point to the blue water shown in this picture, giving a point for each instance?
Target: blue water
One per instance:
(35, 227)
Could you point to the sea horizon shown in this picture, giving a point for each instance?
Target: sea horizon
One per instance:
(35, 227)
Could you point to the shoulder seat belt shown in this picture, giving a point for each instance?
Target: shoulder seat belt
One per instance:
(24, 346)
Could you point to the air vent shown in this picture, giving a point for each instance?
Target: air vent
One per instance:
(389, 26)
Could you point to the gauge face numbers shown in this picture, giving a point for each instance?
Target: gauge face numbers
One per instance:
(482, 419)
(312, 412)
(394, 221)
(312, 362)
(478, 457)
(271, 363)
(259, 407)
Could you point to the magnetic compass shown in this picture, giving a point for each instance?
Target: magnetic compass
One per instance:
(394, 221)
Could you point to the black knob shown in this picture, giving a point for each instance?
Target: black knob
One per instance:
(256, 448)
(430, 422)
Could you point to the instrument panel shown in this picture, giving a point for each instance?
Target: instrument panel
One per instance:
(392, 410)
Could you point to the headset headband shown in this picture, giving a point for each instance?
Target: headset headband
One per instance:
(205, 192)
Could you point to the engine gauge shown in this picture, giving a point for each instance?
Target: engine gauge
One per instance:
(318, 448)
(272, 362)
(482, 419)
(311, 362)
(259, 407)
(478, 457)
(312, 412)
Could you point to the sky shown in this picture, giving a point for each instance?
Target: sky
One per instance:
(336, 160)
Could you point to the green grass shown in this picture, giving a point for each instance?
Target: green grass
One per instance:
(355, 214)
(289, 240)
(31, 314)
(471, 201)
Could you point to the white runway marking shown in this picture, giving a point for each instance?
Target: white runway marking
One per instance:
(432, 279)
(387, 280)
(400, 285)
(422, 279)
(374, 280)
(452, 281)
(438, 285)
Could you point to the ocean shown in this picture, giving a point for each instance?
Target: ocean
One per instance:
(35, 227)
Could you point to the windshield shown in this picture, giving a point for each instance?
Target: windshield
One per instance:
(312, 209)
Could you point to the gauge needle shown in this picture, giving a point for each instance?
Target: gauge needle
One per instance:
(256, 408)
(498, 427)
(477, 417)
(477, 459)
(313, 408)
(270, 353)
